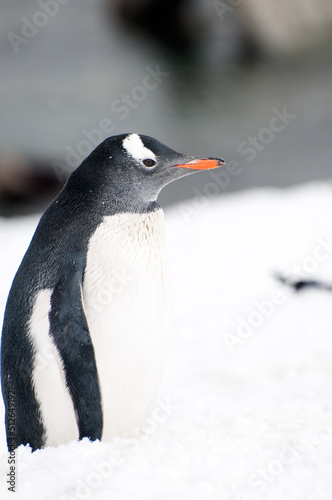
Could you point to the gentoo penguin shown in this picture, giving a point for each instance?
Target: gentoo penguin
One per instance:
(84, 334)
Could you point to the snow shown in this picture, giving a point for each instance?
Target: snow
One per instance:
(244, 412)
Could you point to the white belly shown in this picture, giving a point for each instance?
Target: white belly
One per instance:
(126, 301)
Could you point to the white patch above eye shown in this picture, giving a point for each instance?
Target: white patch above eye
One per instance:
(134, 146)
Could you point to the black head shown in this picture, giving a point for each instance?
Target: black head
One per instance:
(128, 171)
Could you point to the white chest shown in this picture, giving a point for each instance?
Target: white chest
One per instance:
(126, 300)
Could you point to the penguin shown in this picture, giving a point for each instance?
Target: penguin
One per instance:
(85, 329)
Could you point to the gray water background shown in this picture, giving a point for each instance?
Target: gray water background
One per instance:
(67, 76)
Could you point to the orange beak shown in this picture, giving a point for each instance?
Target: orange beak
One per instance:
(203, 164)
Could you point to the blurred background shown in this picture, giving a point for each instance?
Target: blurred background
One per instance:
(248, 80)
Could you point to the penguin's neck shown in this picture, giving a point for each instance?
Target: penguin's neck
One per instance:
(115, 198)
(109, 203)
(129, 206)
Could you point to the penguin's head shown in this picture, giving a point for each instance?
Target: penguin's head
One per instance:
(134, 168)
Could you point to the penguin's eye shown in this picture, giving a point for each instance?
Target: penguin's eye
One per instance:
(149, 162)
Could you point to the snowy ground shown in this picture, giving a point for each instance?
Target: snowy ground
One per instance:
(244, 412)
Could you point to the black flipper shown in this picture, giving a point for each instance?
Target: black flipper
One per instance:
(70, 331)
